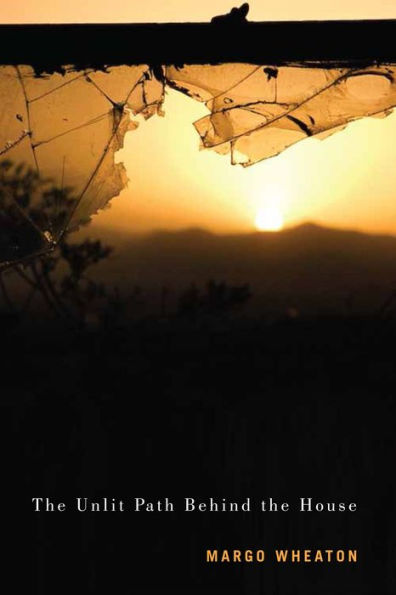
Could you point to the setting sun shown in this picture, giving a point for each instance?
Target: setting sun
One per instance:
(269, 219)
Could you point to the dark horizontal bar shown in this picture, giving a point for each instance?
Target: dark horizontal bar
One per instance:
(48, 47)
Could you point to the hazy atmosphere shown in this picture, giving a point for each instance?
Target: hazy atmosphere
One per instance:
(348, 181)
(216, 330)
(108, 11)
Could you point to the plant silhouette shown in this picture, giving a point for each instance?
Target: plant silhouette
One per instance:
(34, 214)
(217, 299)
(34, 211)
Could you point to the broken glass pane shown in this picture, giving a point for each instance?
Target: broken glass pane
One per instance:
(258, 111)
(65, 130)
(59, 133)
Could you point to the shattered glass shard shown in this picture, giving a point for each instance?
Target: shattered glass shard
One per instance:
(258, 111)
(59, 133)
(64, 130)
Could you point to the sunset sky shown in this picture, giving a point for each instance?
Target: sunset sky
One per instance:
(348, 180)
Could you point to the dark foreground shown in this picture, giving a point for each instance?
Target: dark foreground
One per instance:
(296, 408)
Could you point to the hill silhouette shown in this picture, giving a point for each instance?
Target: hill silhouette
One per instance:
(310, 268)
(225, 406)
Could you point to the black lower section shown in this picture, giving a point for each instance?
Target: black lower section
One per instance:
(289, 410)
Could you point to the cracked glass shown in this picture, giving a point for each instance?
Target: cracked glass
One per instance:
(59, 132)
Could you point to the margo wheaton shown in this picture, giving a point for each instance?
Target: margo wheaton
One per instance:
(294, 556)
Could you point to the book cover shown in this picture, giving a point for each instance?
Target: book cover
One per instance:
(197, 284)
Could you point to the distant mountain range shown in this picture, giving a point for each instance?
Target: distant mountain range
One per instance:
(309, 268)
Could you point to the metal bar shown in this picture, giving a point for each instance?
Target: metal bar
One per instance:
(48, 47)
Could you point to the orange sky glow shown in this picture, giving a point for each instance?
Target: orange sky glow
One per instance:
(348, 180)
